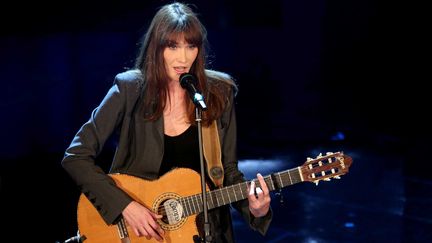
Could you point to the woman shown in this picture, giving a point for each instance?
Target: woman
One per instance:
(154, 120)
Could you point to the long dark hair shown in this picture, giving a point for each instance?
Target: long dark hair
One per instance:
(171, 21)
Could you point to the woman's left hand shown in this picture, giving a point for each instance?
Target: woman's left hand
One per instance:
(259, 198)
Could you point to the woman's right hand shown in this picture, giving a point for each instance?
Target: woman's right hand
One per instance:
(143, 221)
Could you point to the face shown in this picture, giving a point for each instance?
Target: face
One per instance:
(178, 58)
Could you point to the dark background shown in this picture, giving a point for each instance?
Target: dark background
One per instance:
(344, 75)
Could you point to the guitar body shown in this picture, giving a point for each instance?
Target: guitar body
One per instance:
(177, 183)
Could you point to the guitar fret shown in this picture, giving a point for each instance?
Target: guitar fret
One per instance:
(245, 191)
(189, 204)
(217, 200)
(227, 190)
(300, 174)
(182, 202)
(222, 197)
(280, 180)
(235, 194)
(192, 204)
(196, 207)
(294, 177)
(289, 174)
(200, 205)
(190, 201)
(199, 202)
(270, 184)
(184, 205)
(210, 194)
(297, 175)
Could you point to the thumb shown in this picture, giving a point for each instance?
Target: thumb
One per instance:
(155, 215)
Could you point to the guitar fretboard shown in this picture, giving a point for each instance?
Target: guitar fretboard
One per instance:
(219, 197)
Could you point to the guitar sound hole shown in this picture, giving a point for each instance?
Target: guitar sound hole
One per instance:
(168, 205)
(161, 211)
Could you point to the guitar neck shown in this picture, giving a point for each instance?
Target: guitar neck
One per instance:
(219, 197)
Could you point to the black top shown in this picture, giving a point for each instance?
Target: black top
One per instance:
(181, 151)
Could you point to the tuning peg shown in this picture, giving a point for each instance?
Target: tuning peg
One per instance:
(329, 153)
(308, 159)
(316, 183)
(336, 177)
(327, 179)
(342, 164)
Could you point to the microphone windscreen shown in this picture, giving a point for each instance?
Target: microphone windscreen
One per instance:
(186, 78)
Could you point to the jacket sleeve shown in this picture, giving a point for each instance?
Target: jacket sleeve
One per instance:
(79, 157)
(232, 174)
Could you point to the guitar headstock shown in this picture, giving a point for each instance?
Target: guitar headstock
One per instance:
(325, 167)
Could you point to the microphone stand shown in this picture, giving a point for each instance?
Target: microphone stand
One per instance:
(189, 81)
(207, 236)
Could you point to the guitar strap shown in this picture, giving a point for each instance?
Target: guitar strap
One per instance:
(212, 153)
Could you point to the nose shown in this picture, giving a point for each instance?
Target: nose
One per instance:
(182, 55)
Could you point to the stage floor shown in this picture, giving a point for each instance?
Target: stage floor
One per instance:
(376, 201)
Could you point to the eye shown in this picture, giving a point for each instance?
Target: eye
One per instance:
(172, 46)
(192, 46)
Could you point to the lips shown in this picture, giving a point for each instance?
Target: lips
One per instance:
(180, 70)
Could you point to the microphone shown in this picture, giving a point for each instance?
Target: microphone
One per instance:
(189, 82)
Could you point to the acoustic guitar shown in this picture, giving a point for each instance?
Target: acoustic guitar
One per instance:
(177, 196)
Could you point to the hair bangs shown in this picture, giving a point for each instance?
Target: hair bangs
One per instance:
(190, 31)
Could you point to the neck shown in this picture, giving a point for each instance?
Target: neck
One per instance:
(176, 95)
(174, 84)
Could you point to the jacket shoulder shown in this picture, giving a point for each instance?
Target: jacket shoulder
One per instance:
(129, 76)
(215, 76)
(218, 79)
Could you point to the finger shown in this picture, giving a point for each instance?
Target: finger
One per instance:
(143, 232)
(252, 196)
(252, 188)
(140, 231)
(136, 231)
(263, 184)
(156, 227)
(156, 216)
(152, 232)
(259, 192)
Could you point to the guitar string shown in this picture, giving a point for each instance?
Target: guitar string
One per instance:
(282, 175)
(196, 200)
